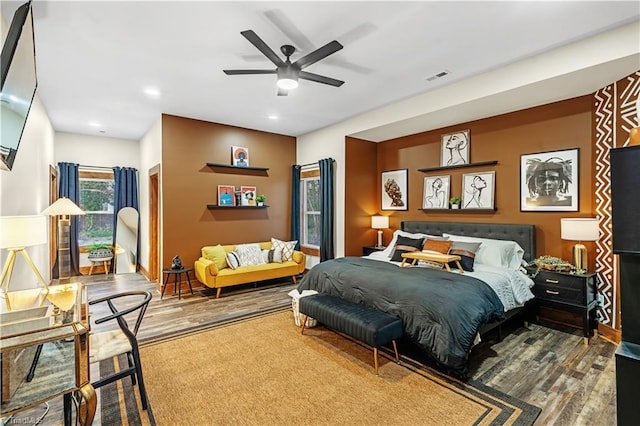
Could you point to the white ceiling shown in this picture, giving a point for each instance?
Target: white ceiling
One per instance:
(95, 59)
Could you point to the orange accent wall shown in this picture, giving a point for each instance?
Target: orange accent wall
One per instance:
(552, 127)
(188, 185)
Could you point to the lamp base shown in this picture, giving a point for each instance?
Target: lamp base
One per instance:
(580, 256)
(379, 238)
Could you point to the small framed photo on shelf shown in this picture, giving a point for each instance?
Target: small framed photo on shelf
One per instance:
(549, 181)
(478, 190)
(455, 148)
(436, 192)
(226, 195)
(240, 156)
(248, 194)
(394, 190)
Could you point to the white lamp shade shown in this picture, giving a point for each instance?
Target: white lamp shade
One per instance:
(62, 207)
(579, 229)
(22, 231)
(379, 222)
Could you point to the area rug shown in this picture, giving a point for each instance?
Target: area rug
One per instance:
(262, 371)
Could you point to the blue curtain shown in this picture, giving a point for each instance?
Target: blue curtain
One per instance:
(326, 209)
(70, 188)
(125, 180)
(295, 205)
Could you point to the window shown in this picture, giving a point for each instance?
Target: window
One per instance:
(96, 199)
(310, 209)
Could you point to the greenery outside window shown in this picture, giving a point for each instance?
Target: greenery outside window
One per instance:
(310, 209)
(96, 199)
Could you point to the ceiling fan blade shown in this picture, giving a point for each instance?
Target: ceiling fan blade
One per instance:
(262, 46)
(283, 92)
(318, 54)
(243, 72)
(320, 79)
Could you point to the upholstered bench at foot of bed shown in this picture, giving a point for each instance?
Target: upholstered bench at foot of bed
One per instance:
(366, 324)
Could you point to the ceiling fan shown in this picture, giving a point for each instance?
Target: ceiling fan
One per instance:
(288, 72)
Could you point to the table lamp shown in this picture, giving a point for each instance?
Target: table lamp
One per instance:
(580, 229)
(379, 223)
(63, 208)
(16, 233)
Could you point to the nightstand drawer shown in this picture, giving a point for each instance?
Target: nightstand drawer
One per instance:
(557, 293)
(567, 281)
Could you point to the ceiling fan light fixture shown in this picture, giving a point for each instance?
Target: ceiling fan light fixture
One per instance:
(287, 83)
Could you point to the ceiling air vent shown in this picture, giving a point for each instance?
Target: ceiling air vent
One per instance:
(438, 75)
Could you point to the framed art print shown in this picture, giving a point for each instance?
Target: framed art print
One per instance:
(436, 192)
(394, 190)
(454, 150)
(240, 156)
(478, 190)
(549, 181)
(248, 195)
(226, 195)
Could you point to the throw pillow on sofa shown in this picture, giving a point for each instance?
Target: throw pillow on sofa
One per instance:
(217, 254)
(272, 256)
(287, 248)
(233, 261)
(249, 254)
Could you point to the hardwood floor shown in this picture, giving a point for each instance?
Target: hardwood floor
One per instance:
(551, 368)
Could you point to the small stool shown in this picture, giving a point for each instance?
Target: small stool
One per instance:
(176, 280)
(103, 260)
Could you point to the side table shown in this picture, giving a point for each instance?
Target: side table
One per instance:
(105, 262)
(176, 280)
(367, 250)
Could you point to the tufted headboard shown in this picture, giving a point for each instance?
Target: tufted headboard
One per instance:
(525, 235)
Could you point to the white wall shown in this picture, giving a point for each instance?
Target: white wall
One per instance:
(97, 151)
(24, 191)
(566, 72)
(150, 156)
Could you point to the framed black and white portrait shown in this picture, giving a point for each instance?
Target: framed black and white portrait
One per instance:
(549, 181)
(478, 190)
(436, 192)
(394, 190)
(455, 148)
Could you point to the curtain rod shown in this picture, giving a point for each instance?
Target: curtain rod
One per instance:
(314, 164)
(95, 167)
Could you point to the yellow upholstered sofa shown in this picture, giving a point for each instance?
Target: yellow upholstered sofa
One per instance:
(212, 270)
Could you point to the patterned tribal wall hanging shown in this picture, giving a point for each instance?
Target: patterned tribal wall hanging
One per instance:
(614, 116)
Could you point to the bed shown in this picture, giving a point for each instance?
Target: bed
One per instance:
(443, 312)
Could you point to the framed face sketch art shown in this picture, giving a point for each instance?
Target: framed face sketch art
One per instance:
(455, 148)
(436, 192)
(394, 190)
(549, 181)
(478, 190)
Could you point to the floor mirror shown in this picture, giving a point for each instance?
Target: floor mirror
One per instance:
(126, 241)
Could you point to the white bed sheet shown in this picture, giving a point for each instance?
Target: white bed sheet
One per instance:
(512, 287)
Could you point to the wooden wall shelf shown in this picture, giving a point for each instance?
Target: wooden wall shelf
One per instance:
(216, 206)
(459, 166)
(229, 166)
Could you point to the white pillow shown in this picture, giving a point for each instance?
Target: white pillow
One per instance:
(273, 255)
(249, 254)
(497, 253)
(287, 248)
(389, 250)
(232, 260)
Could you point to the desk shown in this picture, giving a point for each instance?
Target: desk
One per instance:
(176, 280)
(432, 257)
(65, 373)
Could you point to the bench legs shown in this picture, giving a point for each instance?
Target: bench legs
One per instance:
(375, 350)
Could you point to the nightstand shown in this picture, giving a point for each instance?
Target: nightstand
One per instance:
(367, 250)
(570, 293)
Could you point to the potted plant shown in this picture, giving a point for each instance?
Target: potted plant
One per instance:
(260, 199)
(455, 202)
(100, 250)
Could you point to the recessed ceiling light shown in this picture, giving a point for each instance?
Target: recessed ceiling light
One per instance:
(94, 124)
(152, 92)
(273, 117)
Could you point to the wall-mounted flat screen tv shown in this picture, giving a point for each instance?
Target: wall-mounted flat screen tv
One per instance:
(19, 82)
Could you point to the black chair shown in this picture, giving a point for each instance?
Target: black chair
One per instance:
(107, 344)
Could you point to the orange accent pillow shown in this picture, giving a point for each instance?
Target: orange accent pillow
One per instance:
(437, 245)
